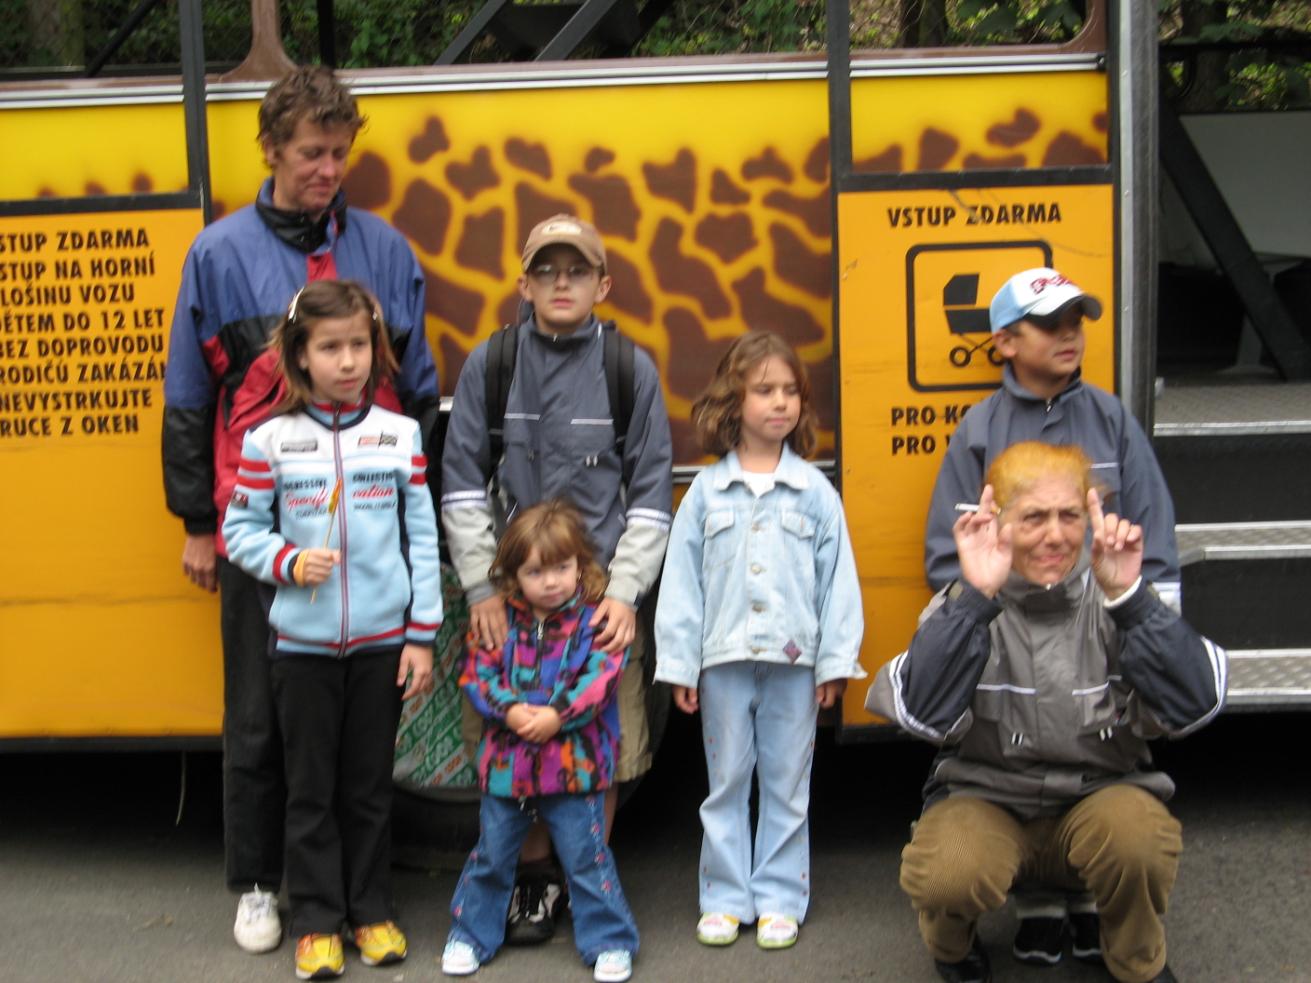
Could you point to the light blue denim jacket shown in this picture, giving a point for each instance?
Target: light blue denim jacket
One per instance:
(770, 579)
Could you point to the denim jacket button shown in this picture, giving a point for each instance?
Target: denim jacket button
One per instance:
(756, 568)
(758, 608)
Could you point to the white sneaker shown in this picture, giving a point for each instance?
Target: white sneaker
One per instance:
(613, 966)
(257, 928)
(459, 959)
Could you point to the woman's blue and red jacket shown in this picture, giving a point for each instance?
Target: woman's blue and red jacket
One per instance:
(239, 277)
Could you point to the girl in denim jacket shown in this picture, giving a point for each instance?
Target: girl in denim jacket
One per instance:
(758, 626)
(550, 728)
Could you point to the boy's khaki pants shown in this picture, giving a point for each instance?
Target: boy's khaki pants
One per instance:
(1120, 843)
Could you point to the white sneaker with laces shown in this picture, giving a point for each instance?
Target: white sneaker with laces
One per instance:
(257, 928)
(459, 959)
(613, 966)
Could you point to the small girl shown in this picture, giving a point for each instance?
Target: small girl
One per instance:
(550, 728)
(331, 506)
(760, 608)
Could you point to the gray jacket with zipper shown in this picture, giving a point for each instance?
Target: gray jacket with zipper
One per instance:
(559, 441)
(1040, 697)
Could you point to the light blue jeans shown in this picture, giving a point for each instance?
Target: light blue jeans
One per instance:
(757, 717)
(602, 920)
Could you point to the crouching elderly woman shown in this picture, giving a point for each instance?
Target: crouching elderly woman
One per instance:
(1041, 673)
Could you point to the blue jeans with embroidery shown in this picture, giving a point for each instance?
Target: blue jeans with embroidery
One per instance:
(601, 917)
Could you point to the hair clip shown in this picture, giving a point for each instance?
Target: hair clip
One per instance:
(291, 309)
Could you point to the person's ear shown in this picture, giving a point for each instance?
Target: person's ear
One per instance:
(270, 152)
(1003, 342)
(603, 288)
(523, 289)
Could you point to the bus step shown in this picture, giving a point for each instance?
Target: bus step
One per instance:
(1236, 453)
(1246, 587)
(1269, 679)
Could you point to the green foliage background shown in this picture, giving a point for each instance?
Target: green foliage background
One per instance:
(51, 36)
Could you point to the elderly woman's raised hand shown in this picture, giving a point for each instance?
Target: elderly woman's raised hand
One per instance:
(984, 546)
(1117, 548)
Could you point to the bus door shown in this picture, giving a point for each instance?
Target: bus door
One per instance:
(950, 172)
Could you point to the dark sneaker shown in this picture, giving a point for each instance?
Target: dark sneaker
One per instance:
(1086, 928)
(536, 903)
(1040, 941)
(974, 968)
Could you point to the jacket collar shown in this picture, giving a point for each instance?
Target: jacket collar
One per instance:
(342, 414)
(580, 337)
(1012, 386)
(1034, 598)
(517, 602)
(297, 229)
(791, 471)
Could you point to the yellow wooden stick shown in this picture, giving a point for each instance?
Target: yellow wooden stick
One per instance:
(332, 512)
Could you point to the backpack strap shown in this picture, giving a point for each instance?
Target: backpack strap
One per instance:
(502, 350)
(618, 355)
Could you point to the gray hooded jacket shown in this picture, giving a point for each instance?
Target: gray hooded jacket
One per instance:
(1040, 697)
(560, 442)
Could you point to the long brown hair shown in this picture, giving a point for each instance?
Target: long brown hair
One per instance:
(315, 302)
(717, 413)
(556, 529)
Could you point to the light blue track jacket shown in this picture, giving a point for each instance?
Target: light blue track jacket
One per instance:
(387, 589)
(769, 579)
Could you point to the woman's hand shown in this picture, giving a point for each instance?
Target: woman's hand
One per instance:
(1117, 549)
(983, 545)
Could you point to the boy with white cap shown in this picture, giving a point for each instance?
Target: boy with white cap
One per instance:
(1037, 327)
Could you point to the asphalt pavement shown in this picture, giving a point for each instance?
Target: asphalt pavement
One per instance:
(100, 880)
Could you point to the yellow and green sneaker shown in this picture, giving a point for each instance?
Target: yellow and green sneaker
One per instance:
(319, 956)
(380, 943)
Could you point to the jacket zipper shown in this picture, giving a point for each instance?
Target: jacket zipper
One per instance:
(341, 526)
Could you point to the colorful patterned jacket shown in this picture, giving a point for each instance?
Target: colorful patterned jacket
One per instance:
(546, 663)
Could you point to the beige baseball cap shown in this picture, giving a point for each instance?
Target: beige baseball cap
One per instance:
(567, 230)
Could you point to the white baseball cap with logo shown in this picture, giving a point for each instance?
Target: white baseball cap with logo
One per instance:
(1038, 294)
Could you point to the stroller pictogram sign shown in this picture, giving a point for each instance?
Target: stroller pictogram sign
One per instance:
(948, 289)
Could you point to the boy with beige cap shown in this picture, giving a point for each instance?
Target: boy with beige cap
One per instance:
(559, 439)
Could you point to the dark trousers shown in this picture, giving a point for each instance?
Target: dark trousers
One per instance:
(254, 793)
(338, 720)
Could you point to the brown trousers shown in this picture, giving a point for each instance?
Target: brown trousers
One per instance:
(1120, 843)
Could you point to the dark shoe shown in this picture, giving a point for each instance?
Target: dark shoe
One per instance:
(974, 968)
(1086, 927)
(1164, 976)
(1040, 941)
(536, 903)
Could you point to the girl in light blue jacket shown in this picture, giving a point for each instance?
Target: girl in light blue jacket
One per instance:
(331, 507)
(758, 625)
